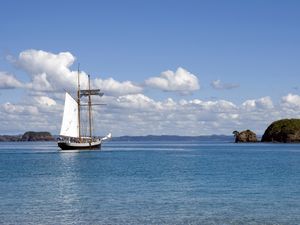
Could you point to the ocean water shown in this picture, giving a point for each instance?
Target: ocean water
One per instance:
(150, 183)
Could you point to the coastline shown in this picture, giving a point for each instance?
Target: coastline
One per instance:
(225, 138)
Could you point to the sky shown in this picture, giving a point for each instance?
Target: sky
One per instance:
(166, 67)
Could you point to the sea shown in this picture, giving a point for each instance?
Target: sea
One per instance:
(154, 182)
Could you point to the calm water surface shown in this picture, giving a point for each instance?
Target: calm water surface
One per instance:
(150, 183)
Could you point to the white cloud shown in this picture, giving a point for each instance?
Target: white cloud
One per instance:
(40, 83)
(180, 81)
(217, 106)
(116, 88)
(138, 114)
(49, 71)
(45, 101)
(256, 104)
(219, 85)
(18, 118)
(19, 109)
(291, 101)
(136, 102)
(8, 81)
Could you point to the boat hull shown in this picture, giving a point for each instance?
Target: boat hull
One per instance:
(79, 146)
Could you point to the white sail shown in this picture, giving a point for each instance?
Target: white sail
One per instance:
(107, 137)
(70, 124)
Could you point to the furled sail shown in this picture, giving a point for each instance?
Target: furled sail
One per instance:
(70, 124)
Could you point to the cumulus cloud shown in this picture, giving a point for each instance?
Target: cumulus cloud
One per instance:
(192, 117)
(116, 88)
(40, 83)
(8, 81)
(256, 104)
(217, 106)
(291, 101)
(19, 109)
(51, 72)
(137, 101)
(219, 85)
(138, 114)
(45, 101)
(179, 81)
(18, 118)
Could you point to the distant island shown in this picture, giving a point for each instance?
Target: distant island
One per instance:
(217, 138)
(29, 136)
(46, 136)
(245, 136)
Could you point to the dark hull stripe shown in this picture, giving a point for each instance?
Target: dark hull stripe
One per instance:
(64, 146)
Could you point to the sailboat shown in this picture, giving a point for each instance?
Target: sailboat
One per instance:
(71, 137)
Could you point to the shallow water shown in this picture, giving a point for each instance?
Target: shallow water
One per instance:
(150, 183)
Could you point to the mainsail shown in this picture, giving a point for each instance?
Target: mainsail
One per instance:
(70, 124)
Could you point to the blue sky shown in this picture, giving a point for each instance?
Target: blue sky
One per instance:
(253, 46)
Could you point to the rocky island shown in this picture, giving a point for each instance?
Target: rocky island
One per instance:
(28, 136)
(286, 131)
(245, 136)
(37, 136)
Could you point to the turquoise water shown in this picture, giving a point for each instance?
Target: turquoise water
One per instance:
(150, 183)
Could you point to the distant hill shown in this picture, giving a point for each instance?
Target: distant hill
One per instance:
(37, 136)
(8, 138)
(28, 136)
(221, 138)
(46, 136)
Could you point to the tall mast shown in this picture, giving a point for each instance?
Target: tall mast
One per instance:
(90, 108)
(78, 102)
(88, 93)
